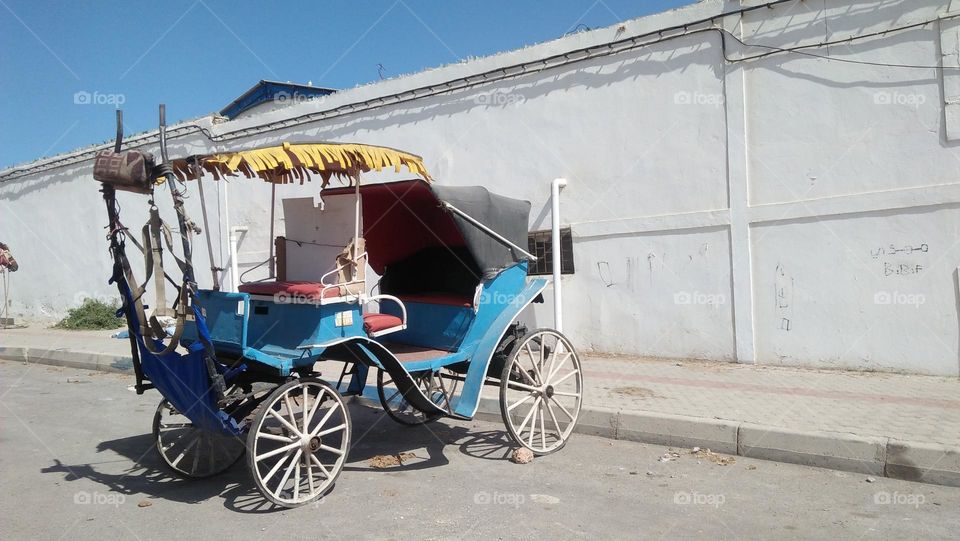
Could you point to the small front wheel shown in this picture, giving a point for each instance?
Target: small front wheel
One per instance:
(541, 391)
(298, 442)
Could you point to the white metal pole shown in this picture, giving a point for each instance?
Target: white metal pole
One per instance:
(272, 241)
(230, 240)
(356, 231)
(555, 187)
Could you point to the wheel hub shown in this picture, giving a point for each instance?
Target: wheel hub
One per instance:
(312, 445)
(548, 390)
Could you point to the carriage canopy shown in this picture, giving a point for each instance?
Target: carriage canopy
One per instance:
(406, 219)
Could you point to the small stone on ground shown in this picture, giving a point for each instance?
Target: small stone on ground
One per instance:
(522, 456)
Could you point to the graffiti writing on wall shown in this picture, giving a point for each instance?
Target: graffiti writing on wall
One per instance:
(900, 260)
(783, 295)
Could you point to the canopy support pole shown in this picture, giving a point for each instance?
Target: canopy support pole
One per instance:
(231, 247)
(206, 228)
(356, 227)
(493, 234)
(273, 208)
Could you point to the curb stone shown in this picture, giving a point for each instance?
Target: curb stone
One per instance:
(930, 463)
(923, 462)
(833, 450)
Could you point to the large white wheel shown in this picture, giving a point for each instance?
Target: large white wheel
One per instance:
(298, 442)
(190, 451)
(541, 391)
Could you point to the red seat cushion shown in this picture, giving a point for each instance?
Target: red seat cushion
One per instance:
(377, 322)
(439, 298)
(293, 290)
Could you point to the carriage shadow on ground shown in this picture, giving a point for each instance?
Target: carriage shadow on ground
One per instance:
(375, 437)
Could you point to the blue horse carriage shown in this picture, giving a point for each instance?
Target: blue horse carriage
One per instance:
(419, 282)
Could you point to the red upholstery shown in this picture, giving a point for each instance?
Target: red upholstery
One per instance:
(293, 290)
(439, 298)
(377, 322)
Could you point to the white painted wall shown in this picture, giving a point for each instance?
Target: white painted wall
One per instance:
(759, 211)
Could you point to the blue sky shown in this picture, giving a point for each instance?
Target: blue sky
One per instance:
(199, 55)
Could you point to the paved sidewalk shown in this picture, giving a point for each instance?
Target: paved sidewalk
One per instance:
(882, 424)
(916, 408)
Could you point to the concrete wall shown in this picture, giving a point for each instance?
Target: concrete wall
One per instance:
(781, 210)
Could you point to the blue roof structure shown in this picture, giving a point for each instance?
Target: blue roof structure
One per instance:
(265, 91)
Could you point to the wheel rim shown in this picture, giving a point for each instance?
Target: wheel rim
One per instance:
(541, 391)
(191, 451)
(402, 411)
(299, 442)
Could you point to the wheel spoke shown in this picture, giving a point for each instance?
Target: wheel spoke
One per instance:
(290, 412)
(539, 379)
(543, 428)
(332, 430)
(559, 365)
(533, 423)
(566, 377)
(333, 450)
(306, 419)
(278, 450)
(330, 412)
(274, 437)
(276, 467)
(553, 360)
(286, 474)
(522, 387)
(296, 480)
(518, 402)
(184, 452)
(394, 395)
(310, 475)
(315, 460)
(527, 418)
(561, 393)
(555, 423)
(283, 421)
(559, 405)
(316, 405)
(196, 453)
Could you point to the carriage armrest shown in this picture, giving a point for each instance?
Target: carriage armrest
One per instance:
(381, 324)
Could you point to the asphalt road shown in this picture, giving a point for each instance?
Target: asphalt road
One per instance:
(77, 462)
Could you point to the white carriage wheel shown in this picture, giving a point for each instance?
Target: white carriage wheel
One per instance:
(541, 391)
(191, 451)
(298, 443)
